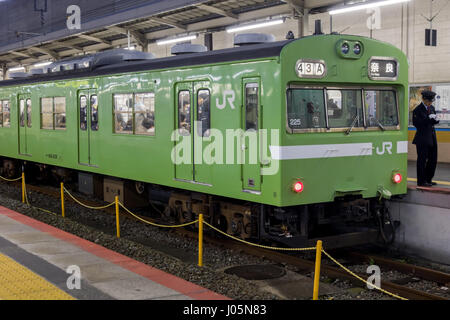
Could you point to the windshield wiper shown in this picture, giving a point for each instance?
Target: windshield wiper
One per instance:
(353, 125)
(379, 124)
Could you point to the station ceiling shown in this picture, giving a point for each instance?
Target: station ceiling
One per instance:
(197, 16)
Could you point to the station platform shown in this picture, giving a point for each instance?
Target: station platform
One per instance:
(441, 177)
(424, 216)
(40, 262)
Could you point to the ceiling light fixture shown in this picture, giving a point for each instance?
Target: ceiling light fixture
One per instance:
(16, 69)
(365, 6)
(42, 64)
(267, 23)
(175, 40)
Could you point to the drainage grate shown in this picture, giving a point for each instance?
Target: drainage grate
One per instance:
(257, 272)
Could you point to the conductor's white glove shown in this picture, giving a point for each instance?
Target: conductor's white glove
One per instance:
(432, 116)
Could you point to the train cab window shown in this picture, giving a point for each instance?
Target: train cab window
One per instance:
(203, 112)
(184, 112)
(144, 110)
(22, 113)
(94, 112)
(345, 108)
(5, 115)
(29, 113)
(123, 113)
(381, 108)
(251, 106)
(306, 109)
(83, 113)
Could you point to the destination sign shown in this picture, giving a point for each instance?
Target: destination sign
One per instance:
(383, 69)
(311, 69)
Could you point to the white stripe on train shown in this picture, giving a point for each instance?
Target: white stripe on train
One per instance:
(330, 151)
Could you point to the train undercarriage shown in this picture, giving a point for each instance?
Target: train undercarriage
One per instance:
(345, 222)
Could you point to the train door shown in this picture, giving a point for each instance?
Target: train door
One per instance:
(193, 123)
(251, 124)
(25, 123)
(87, 126)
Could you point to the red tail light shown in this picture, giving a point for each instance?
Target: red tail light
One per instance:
(397, 178)
(298, 187)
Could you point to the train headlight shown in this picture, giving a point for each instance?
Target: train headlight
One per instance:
(298, 187)
(345, 48)
(357, 49)
(350, 49)
(397, 178)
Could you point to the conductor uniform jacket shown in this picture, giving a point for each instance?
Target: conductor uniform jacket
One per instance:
(426, 134)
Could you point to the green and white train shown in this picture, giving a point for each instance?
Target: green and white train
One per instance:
(288, 141)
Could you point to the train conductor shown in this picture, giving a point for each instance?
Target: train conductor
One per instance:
(424, 119)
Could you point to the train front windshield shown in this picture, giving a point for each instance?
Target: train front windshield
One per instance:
(333, 108)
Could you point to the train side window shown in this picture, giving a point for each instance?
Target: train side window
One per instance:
(22, 113)
(94, 112)
(381, 108)
(60, 112)
(83, 113)
(47, 113)
(203, 112)
(123, 113)
(29, 113)
(251, 106)
(144, 113)
(306, 109)
(345, 108)
(6, 114)
(53, 113)
(184, 112)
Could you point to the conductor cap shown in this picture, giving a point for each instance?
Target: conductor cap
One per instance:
(428, 95)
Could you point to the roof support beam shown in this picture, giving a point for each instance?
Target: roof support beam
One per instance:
(139, 37)
(218, 11)
(11, 60)
(51, 53)
(169, 23)
(21, 54)
(71, 46)
(96, 39)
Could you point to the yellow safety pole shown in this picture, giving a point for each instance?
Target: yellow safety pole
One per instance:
(23, 187)
(117, 217)
(200, 240)
(62, 201)
(317, 270)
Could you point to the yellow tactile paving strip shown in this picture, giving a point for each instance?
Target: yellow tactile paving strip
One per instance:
(19, 283)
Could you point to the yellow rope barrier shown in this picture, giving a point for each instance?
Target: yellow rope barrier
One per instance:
(11, 180)
(155, 224)
(259, 245)
(86, 206)
(361, 279)
(193, 222)
(25, 192)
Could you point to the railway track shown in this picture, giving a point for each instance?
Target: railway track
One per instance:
(332, 272)
(303, 264)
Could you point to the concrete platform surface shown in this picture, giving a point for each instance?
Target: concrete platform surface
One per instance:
(441, 177)
(75, 268)
(424, 216)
